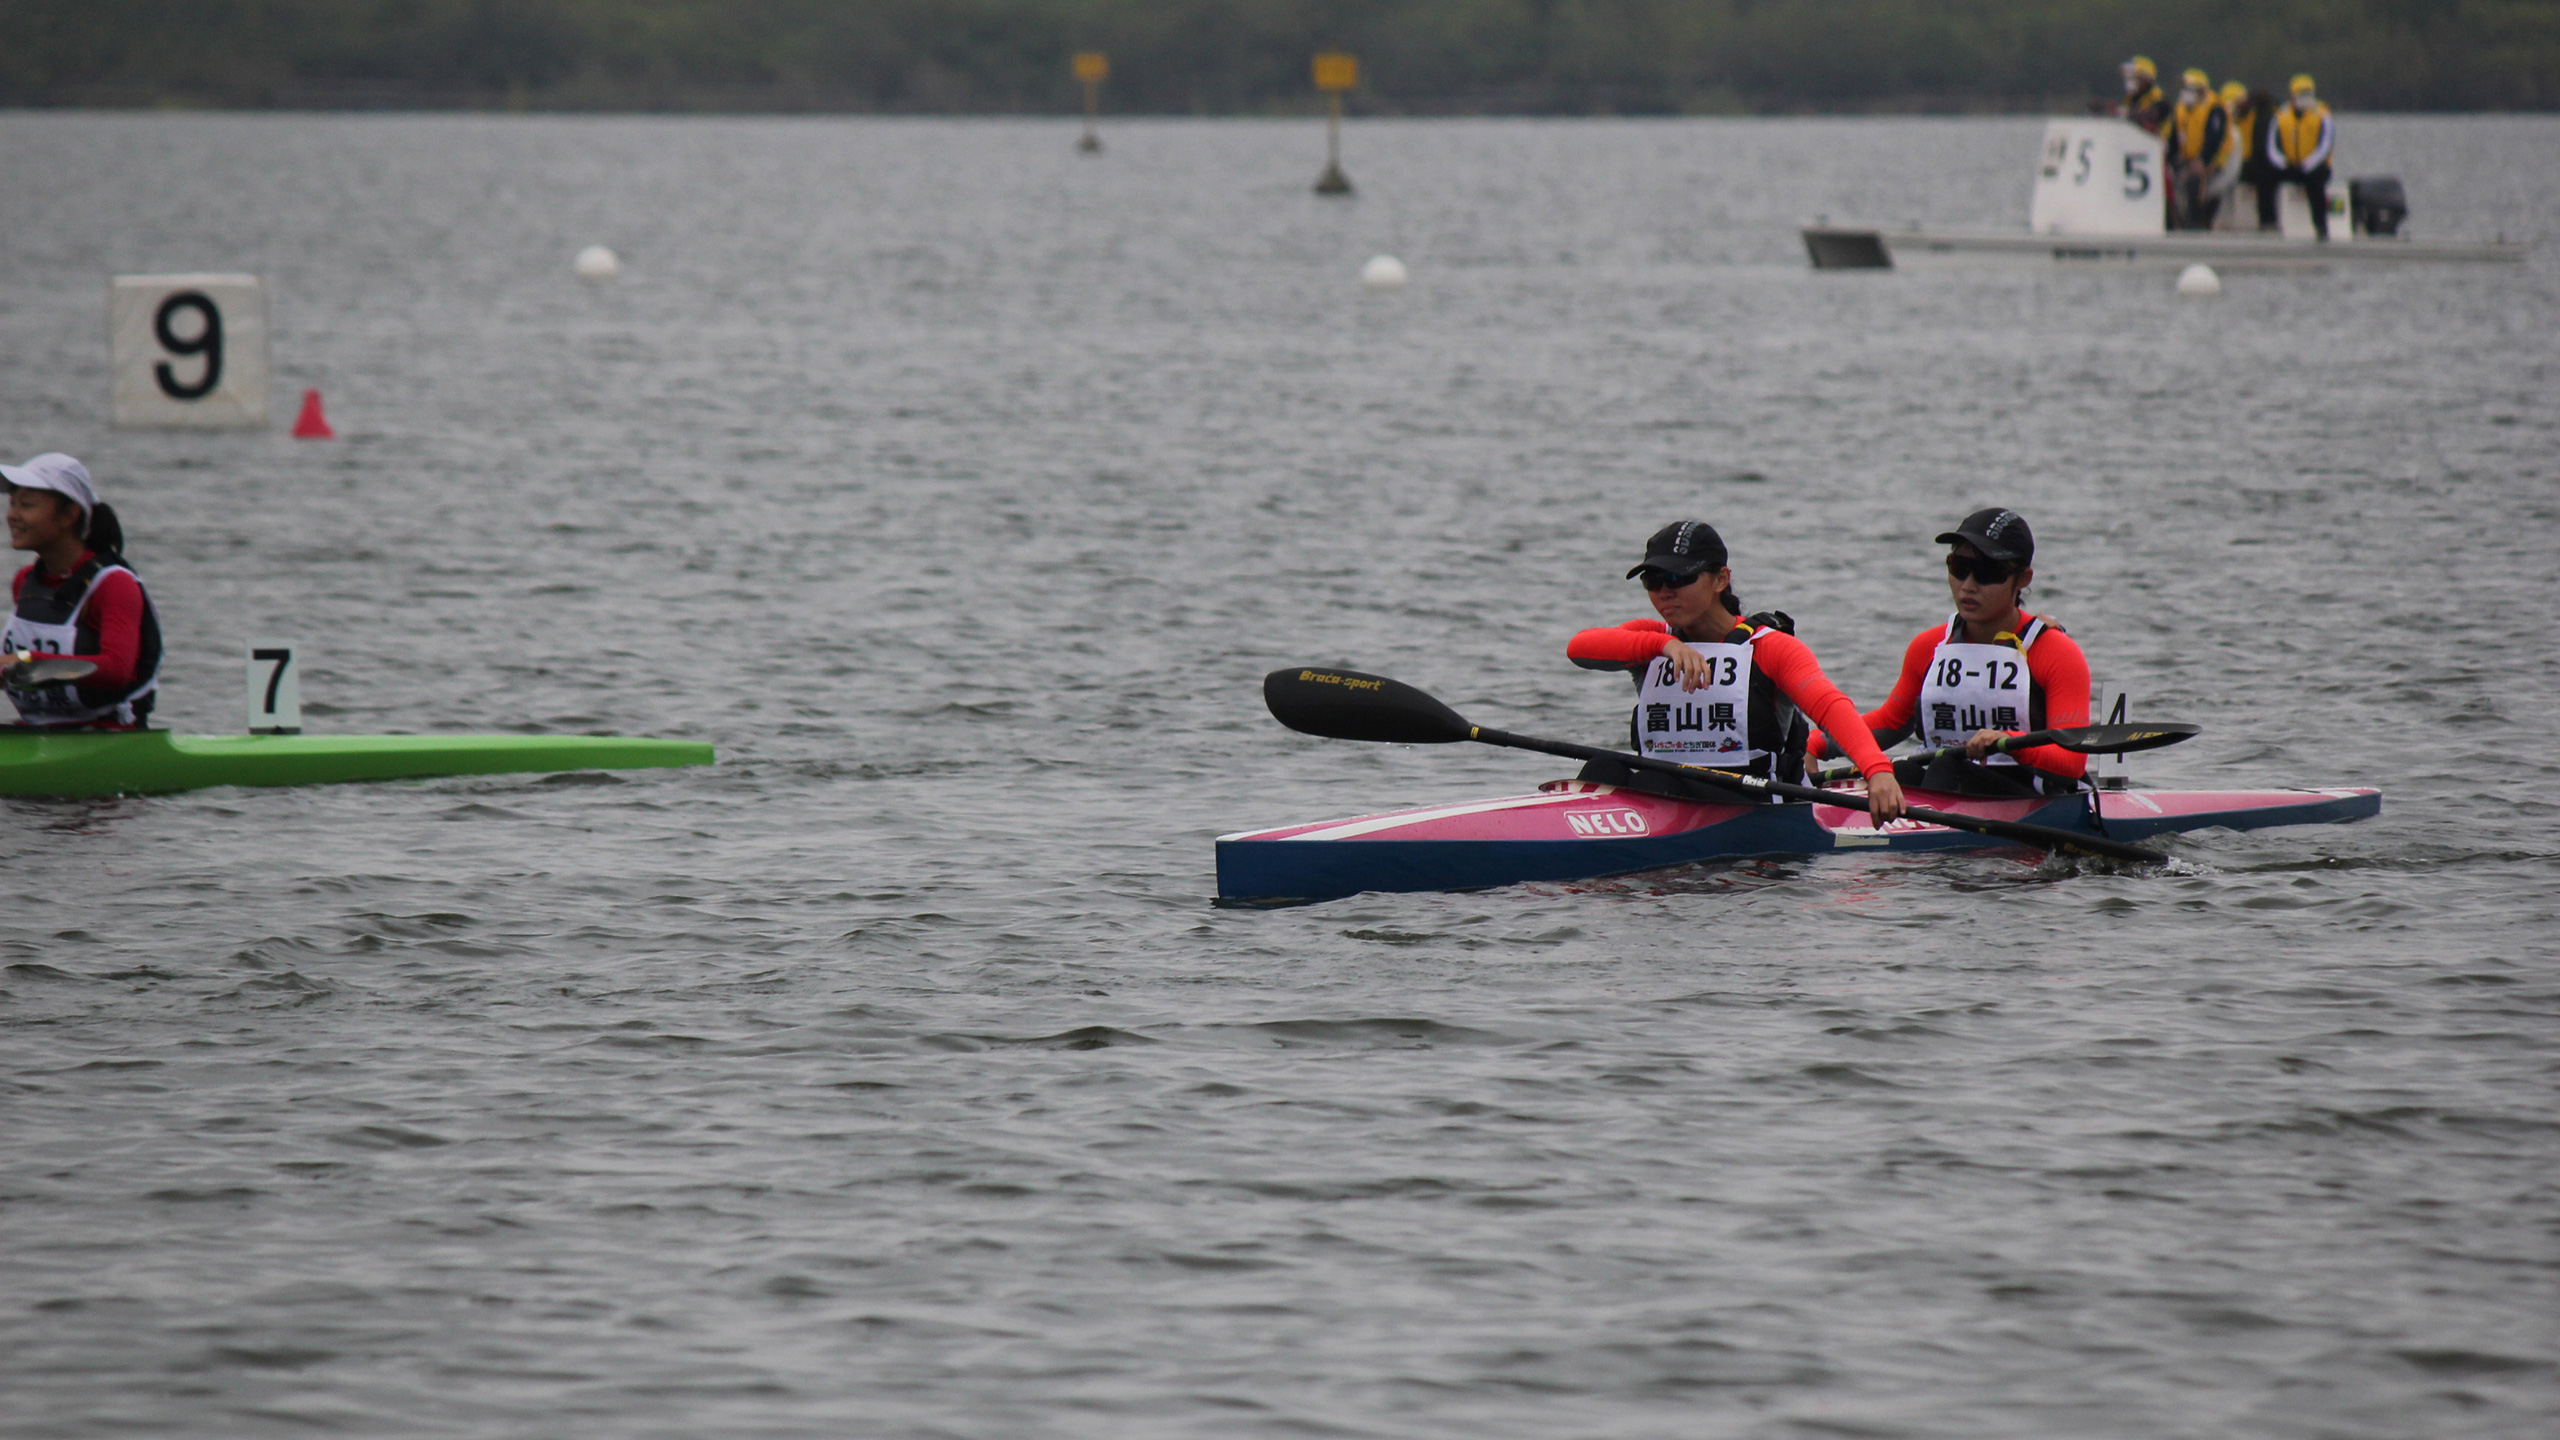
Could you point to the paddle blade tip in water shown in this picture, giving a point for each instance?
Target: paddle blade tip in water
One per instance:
(1348, 705)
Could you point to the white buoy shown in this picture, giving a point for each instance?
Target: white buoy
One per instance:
(1383, 272)
(597, 263)
(2197, 281)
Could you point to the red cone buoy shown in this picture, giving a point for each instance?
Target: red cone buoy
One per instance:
(312, 425)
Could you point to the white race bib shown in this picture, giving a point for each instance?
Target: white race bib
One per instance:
(1975, 687)
(1708, 726)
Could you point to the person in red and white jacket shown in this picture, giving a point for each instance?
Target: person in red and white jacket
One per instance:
(1717, 691)
(79, 601)
(1991, 671)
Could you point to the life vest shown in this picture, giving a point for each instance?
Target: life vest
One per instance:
(50, 620)
(1980, 687)
(2150, 109)
(1738, 721)
(2191, 130)
(2244, 132)
(2302, 137)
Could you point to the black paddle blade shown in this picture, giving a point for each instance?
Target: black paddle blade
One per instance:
(1347, 705)
(2113, 739)
(34, 674)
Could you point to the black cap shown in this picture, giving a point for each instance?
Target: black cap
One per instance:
(1683, 547)
(1998, 534)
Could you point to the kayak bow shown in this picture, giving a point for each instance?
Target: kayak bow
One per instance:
(151, 762)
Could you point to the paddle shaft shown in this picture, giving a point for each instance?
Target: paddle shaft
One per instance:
(2080, 740)
(2045, 836)
(2005, 746)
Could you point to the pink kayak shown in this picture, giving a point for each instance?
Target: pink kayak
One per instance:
(1578, 830)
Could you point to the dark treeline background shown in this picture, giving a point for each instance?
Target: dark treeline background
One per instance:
(1248, 56)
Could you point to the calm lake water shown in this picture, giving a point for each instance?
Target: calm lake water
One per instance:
(897, 1077)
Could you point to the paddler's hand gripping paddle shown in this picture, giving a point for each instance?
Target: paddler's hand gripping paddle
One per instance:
(1348, 705)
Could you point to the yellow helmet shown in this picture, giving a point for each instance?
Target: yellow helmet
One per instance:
(2141, 65)
(2197, 78)
(2233, 92)
(2302, 85)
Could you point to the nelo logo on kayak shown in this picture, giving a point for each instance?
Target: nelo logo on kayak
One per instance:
(1605, 823)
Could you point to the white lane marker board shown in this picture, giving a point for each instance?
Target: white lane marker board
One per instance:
(189, 351)
(2099, 177)
(275, 688)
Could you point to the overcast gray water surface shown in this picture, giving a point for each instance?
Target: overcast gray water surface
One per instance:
(897, 1077)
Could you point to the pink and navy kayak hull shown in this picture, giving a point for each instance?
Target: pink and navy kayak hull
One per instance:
(1576, 830)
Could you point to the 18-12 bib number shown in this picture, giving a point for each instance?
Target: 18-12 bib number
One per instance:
(1996, 674)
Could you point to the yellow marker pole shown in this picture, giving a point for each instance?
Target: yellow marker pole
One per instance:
(1335, 73)
(1092, 67)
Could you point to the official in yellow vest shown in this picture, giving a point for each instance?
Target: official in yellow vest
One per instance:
(2199, 141)
(2143, 104)
(2298, 143)
(2241, 166)
(2242, 115)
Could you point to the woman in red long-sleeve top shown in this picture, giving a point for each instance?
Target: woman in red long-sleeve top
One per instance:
(77, 601)
(1991, 671)
(1717, 691)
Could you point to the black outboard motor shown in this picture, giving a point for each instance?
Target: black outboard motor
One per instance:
(2377, 204)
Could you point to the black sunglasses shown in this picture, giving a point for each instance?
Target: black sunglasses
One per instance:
(1976, 568)
(1665, 580)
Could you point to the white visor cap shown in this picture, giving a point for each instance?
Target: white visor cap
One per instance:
(58, 473)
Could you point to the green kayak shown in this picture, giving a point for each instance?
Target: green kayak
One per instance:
(150, 762)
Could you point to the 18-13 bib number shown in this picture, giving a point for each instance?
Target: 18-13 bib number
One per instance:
(1721, 670)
